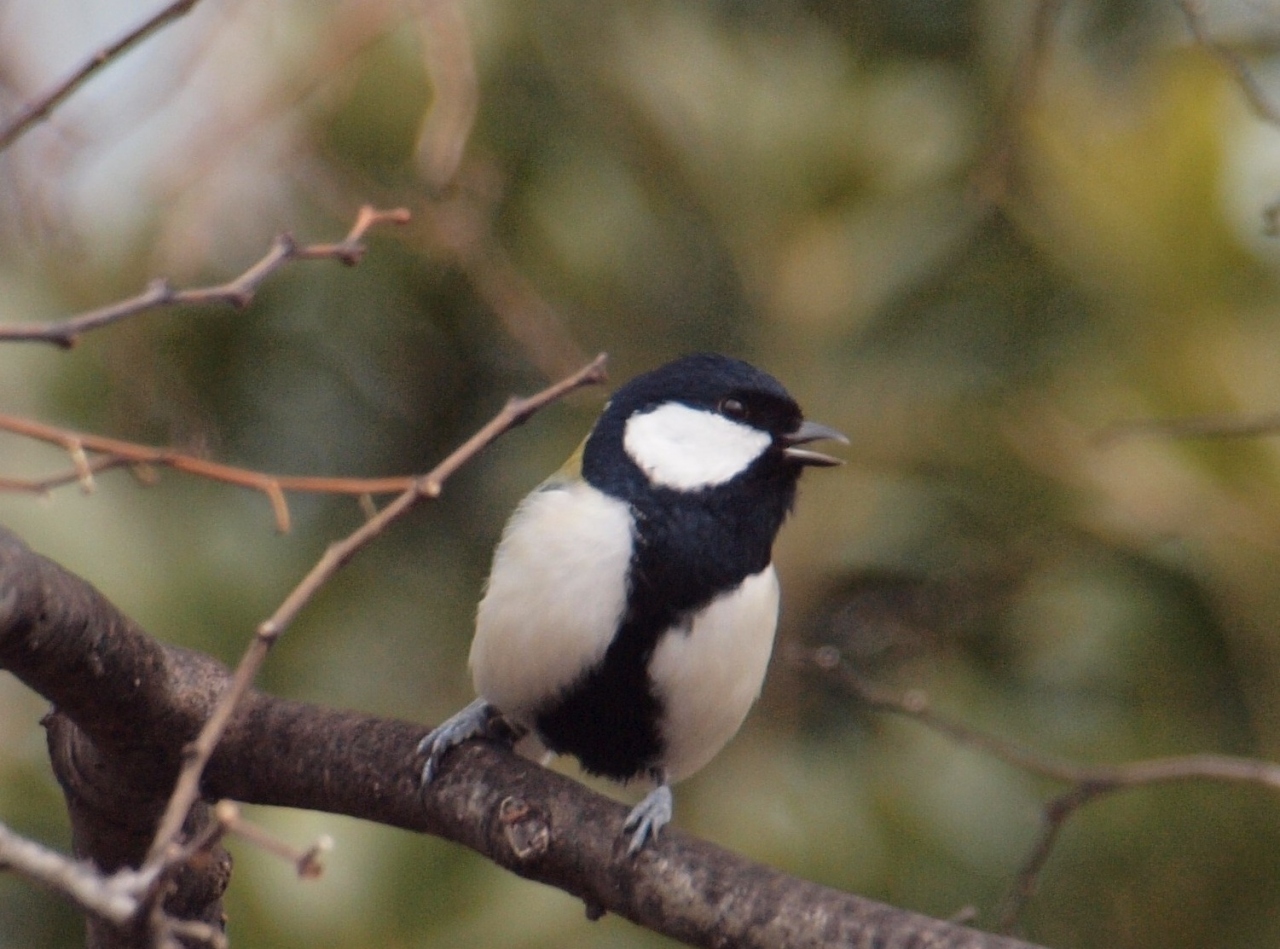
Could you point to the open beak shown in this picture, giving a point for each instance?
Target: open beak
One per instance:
(812, 432)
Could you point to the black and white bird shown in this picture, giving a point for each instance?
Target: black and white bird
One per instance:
(631, 608)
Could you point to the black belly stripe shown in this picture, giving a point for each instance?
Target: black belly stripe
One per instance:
(690, 548)
(609, 719)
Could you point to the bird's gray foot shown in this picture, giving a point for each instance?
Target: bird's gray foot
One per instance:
(650, 815)
(474, 721)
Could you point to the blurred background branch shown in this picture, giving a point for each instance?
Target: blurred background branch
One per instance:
(1258, 98)
(39, 108)
(1087, 782)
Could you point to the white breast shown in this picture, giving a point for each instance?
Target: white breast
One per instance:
(555, 596)
(709, 676)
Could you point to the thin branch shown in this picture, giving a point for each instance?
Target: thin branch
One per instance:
(991, 177)
(39, 109)
(118, 454)
(238, 292)
(308, 863)
(458, 226)
(1086, 782)
(183, 932)
(1196, 426)
(355, 26)
(1258, 100)
(119, 896)
(1053, 818)
(1232, 61)
(187, 788)
(450, 63)
(115, 896)
(76, 475)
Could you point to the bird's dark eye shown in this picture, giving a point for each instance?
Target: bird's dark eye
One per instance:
(732, 408)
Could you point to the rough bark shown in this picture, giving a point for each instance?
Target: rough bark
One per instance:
(127, 704)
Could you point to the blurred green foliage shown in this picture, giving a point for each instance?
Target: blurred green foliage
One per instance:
(972, 276)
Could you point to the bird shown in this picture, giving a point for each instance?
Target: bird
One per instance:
(630, 611)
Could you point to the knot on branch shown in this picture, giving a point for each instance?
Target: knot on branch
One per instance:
(527, 829)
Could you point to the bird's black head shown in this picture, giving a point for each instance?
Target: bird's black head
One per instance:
(701, 424)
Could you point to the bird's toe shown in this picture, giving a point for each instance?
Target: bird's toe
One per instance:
(648, 818)
(471, 722)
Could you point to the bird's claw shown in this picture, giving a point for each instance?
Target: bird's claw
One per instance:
(473, 721)
(648, 817)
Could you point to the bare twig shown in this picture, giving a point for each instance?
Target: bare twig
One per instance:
(76, 475)
(1232, 61)
(308, 863)
(355, 26)
(451, 65)
(1053, 818)
(238, 292)
(118, 454)
(1262, 104)
(1197, 426)
(39, 109)
(183, 932)
(115, 896)
(459, 227)
(187, 788)
(1086, 782)
(991, 178)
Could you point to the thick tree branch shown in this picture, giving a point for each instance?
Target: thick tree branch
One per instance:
(131, 705)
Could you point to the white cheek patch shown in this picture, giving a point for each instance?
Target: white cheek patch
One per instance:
(680, 447)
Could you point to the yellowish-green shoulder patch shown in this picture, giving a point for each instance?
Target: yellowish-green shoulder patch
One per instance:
(570, 471)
